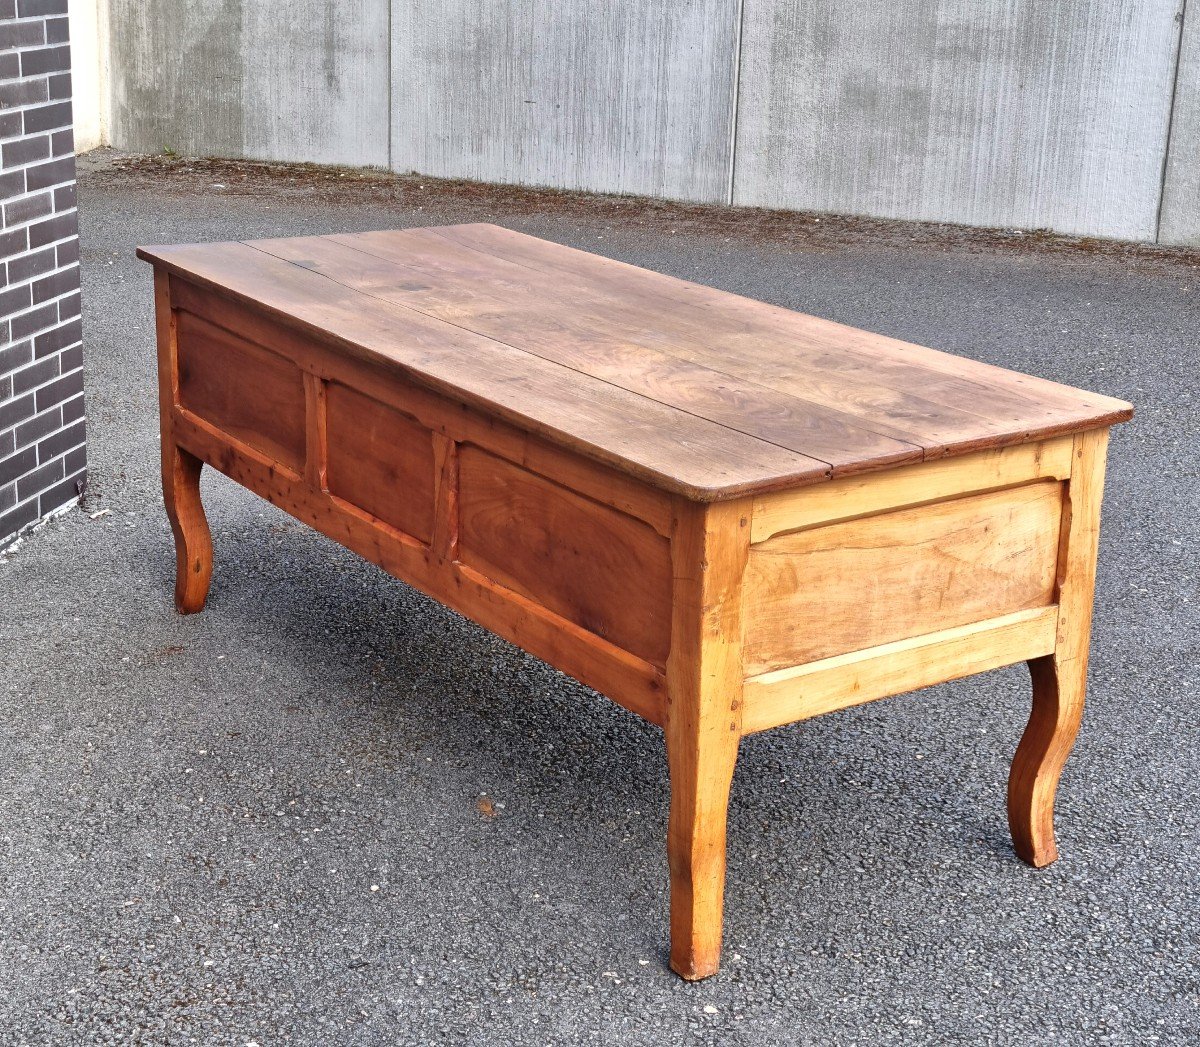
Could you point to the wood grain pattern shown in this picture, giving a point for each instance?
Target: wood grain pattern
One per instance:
(602, 570)
(628, 680)
(1060, 678)
(380, 461)
(945, 403)
(598, 340)
(445, 500)
(316, 431)
(449, 417)
(667, 448)
(703, 722)
(861, 583)
(798, 381)
(242, 388)
(801, 692)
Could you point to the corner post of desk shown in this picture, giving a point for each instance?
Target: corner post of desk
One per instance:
(1060, 678)
(180, 468)
(703, 719)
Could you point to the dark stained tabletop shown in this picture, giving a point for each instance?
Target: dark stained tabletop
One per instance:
(696, 390)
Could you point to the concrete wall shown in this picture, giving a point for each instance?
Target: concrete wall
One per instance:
(1081, 116)
(300, 80)
(625, 96)
(997, 114)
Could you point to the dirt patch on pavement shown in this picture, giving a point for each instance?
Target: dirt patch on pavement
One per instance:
(193, 176)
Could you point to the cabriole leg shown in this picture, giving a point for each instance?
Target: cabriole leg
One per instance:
(193, 543)
(1060, 679)
(1058, 691)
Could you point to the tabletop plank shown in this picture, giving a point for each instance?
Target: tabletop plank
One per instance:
(700, 391)
(773, 342)
(591, 347)
(675, 451)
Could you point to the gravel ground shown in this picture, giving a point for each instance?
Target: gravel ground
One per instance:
(328, 811)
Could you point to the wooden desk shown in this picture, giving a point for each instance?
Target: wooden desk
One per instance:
(724, 515)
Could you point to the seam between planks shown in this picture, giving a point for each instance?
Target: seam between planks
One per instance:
(851, 421)
(829, 467)
(979, 382)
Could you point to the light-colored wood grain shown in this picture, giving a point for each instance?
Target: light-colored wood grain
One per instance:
(669, 449)
(180, 469)
(688, 389)
(853, 400)
(605, 339)
(861, 583)
(802, 692)
(944, 403)
(910, 485)
(380, 461)
(703, 722)
(1060, 678)
(595, 566)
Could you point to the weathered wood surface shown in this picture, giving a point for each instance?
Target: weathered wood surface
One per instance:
(703, 722)
(803, 691)
(861, 583)
(696, 391)
(595, 566)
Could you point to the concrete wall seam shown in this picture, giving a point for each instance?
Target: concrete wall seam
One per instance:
(1179, 209)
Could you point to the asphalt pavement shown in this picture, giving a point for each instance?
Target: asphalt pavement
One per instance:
(328, 811)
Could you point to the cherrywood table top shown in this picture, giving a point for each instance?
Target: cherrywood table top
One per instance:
(694, 390)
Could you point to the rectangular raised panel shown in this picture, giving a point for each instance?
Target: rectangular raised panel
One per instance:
(593, 565)
(860, 583)
(380, 461)
(246, 391)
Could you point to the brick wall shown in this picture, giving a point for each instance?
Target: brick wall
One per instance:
(42, 455)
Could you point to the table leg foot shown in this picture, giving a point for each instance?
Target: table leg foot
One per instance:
(1058, 693)
(701, 772)
(193, 543)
